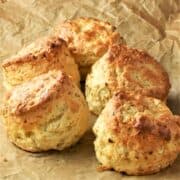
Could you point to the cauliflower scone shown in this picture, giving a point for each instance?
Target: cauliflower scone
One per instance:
(136, 135)
(41, 56)
(48, 112)
(126, 69)
(88, 39)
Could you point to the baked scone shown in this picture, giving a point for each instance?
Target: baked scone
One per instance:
(48, 112)
(125, 69)
(87, 38)
(47, 53)
(136, 134)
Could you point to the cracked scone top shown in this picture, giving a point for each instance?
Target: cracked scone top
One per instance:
(127, 69)
(136, 134)
(88, 39)
(48, 112)
(47, 53)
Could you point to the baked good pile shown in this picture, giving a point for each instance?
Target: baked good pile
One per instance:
(44, 107)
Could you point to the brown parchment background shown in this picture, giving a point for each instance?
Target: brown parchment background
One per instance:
(153, 25)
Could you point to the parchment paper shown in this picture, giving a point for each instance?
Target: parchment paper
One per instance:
(153, 25)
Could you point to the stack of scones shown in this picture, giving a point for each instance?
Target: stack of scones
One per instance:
(44, 108)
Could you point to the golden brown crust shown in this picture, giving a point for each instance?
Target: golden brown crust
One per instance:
(45, 48)
(41, 56)
(38, 91)
(136, 134)
(88, 38)
(133, 61)
(125, 69)
(157, 124)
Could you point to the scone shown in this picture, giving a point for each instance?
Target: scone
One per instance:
(125, 69)
(48, 112)
(88, 39)
(136, 135)
(47, 53)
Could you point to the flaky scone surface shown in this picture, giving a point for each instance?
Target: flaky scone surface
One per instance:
(136, 134)
(127, 69)
(87, 38)
(47, 53)
(48, 112)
